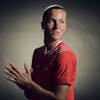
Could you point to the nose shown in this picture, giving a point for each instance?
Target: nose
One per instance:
(56, 25)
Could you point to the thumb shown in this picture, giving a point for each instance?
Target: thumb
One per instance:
(26, 68)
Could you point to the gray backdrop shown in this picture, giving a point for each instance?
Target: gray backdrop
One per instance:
(21, 33)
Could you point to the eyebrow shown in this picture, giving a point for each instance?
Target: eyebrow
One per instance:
(55, 19)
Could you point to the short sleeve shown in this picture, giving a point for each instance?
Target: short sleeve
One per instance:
(65, 71)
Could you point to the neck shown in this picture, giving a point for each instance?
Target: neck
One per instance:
(51, 44)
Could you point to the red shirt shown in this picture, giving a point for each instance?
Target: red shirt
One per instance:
(57, 66)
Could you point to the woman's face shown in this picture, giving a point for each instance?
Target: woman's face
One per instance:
(55, 26)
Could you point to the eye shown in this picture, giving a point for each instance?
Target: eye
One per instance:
(62, 21)
(50, 21)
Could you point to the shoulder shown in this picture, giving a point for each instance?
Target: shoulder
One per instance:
(65, 53)
(65, 48)
(39, 50)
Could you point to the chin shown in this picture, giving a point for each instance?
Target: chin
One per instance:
(56, 38)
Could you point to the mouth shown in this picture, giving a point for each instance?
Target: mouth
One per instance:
(55, 32)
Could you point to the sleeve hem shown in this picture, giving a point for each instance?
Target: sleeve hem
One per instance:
(60, 83)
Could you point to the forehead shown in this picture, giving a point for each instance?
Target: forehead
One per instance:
(57, 12)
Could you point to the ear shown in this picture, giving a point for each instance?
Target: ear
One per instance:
(42, 25)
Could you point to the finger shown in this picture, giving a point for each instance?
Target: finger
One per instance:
(15, 77)
(15, 80)
(26, 69)
(8, 73)
(16, 69)
(11, 79)
(12, 71)
(21, 86)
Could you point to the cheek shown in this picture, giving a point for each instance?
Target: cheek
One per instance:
(63, 28)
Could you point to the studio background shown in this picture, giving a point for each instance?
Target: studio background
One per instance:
(21, 33)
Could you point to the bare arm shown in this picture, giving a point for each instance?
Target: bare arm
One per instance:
(59, 94)
(24, 81)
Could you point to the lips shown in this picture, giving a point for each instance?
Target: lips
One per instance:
(55, 32)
